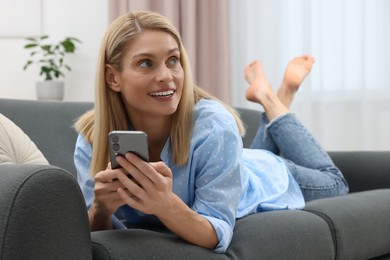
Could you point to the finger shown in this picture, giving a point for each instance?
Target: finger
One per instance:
(102, 188)
(131, 200)
(132, 187)
(142, 169)
(133, 172)
(107, 197)
(162, 168)
(127, 192)
(109, 166)
(105, 176)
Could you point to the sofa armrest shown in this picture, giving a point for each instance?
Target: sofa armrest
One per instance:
(43, 214)
(364, 170)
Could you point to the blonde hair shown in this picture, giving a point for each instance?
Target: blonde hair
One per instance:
(109, 112)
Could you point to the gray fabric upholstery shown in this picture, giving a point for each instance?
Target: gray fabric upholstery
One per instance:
(49, 124)
(145, 244)
(279, 235)
(360, 223)
(252, 120)
(282, 235)
(42, 215)
(364, 170)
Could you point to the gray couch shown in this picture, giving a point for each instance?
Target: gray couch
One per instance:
(43, 215)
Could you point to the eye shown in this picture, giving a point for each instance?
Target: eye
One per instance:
(173, 61)
(145, 64)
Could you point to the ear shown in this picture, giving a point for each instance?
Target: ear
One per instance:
(112, 78)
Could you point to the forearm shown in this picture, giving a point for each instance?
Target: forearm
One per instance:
(98, 220)
(189, 225)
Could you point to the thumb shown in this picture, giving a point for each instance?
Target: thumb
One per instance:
(108, 166)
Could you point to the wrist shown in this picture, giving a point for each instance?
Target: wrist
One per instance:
(98, 219)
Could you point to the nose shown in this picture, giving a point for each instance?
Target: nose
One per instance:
(164, 74)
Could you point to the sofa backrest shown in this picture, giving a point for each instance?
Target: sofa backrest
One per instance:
(252, 120)
(49, 124)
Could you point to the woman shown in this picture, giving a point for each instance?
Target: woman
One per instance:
(200, 179)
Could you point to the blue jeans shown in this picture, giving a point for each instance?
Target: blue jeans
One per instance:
(308, 162)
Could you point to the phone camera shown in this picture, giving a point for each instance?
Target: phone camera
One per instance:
(115, 139)
(116, 147)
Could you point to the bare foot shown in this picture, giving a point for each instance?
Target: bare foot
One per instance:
(258, 83)
(260, 91)
(296, 71)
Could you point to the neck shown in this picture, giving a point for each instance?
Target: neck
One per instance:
(158, 130)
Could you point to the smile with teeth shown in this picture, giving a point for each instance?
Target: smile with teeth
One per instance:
(162, 94)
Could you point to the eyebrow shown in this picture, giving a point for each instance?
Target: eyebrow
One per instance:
(146, 54)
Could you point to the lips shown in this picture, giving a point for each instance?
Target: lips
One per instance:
(163, 94)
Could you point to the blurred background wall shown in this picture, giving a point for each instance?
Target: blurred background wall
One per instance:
(345, 101)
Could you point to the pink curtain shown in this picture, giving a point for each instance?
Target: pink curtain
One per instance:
(203, 25)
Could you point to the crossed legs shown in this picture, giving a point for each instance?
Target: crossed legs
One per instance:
(282, 133)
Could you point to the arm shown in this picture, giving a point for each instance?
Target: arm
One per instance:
(215, 187)
(105, 200)
(155, 196)
(99, 217)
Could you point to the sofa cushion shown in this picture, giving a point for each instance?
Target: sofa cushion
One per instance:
(286, 234)
(16, 147)
(360, 223)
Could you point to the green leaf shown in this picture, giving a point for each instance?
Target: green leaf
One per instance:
(46, 48)
(30, 45)
(50, 57)
(57, 73)
(73, 39)
(27, 64)
(31, 39)
(68, 46)
(46, 70)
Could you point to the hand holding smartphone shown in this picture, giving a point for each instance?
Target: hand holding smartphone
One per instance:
(121, 142)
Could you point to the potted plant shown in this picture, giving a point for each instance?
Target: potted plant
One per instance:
(50, 59)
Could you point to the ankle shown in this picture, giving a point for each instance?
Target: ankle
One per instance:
(286, 94)
(275, 111)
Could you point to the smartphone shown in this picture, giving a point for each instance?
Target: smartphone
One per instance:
(121, 142)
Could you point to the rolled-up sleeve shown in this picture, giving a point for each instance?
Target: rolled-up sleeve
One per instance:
(217, 158)
(82, 160)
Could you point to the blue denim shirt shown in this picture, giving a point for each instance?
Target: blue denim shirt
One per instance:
(221, 181)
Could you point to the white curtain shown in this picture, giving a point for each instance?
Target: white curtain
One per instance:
(345, 102)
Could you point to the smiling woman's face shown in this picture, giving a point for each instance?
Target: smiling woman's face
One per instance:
(151, 77)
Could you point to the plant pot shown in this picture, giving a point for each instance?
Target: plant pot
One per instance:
(50, 90)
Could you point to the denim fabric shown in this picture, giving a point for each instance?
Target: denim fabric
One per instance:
(307, 161)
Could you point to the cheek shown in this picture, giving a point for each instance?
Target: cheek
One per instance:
(131, 82)
(179, 75)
